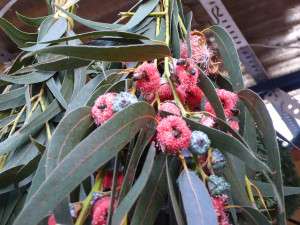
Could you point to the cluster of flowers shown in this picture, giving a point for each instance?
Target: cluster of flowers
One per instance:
(173, 135)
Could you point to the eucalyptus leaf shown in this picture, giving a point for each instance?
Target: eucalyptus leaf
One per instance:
(115, 134)
(17, 36)
(196, 200)
(31, 21)
(127, 53)
(12, 99)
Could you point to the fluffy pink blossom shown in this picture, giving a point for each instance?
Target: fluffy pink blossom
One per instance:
(151, 81)
(194, 97)
(170, 107)
(200, 53)
(103, 108)
(187, 75)
(173, 134)
(100, 211)
(208, 121)
(228, 100)
(218, 203)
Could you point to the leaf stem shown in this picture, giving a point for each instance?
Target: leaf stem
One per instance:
(86, 203)
(249, 191)
(150, 14)
(47, 124)
(199, 168)
(10, 133)
(38, 100)
(182, 25)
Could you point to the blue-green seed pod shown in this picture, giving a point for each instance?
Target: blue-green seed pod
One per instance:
(123, 100)
(217, 186)
(199, 143)
(218, 162)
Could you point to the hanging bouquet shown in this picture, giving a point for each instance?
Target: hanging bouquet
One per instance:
(135, 126)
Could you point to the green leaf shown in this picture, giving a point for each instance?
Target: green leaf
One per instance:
(264, 122)
(27, 100)
(196, 200)
(143, 139)
(27, 170)
(56, 92)
(265, 189)
(59, 63)
(22, 135)
(18, 64)
(84, 94)
(223, 82)
(144, 9)
(80, 76)
(37, 144)
(30, 78)
(45, 26)
(188, 24)
(17, 208)
(98, 33)
(17, 36)
(91, 24)
(126, 204)
(155, 192)
(13, 198)
(62, 213)
(175, 36)
(95, 150)
(175, 205)
(253, 216)
(100, 91)
(229, 144)
(129, 53)
(31, 21)
(229, 56)
(70, 131)
(39, 177)
(122, 85)
(54, 32)
(12, 99)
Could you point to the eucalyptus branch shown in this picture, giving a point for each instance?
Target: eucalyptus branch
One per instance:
(150, 14)
(249, 191)
(47, 124)
(199, 168)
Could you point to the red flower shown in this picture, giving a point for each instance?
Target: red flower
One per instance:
(218, 203)
(170, 107)
(187, 75)
(108, 179)
(51, 220)
(194, 97)
(165, 93)
(228, 100)
(208, 121)
(103, 108)
(100, 210)
(173, 134)
(148, 78)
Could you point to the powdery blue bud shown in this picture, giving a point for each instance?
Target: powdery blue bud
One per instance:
(217, 186)
(123, 100)
(199, 143)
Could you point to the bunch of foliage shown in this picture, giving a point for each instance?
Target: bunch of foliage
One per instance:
(137, 121)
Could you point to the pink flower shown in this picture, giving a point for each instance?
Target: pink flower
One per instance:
(51, 220)
(228, 100)
(103, 108)
(208, 121)
(218, 203)
(100, 210)
(170, 107)
(200, 53)
(187, 75)
(165, 93)
(148, 78)
(108, 179)
(194, 97)
(173, 134)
